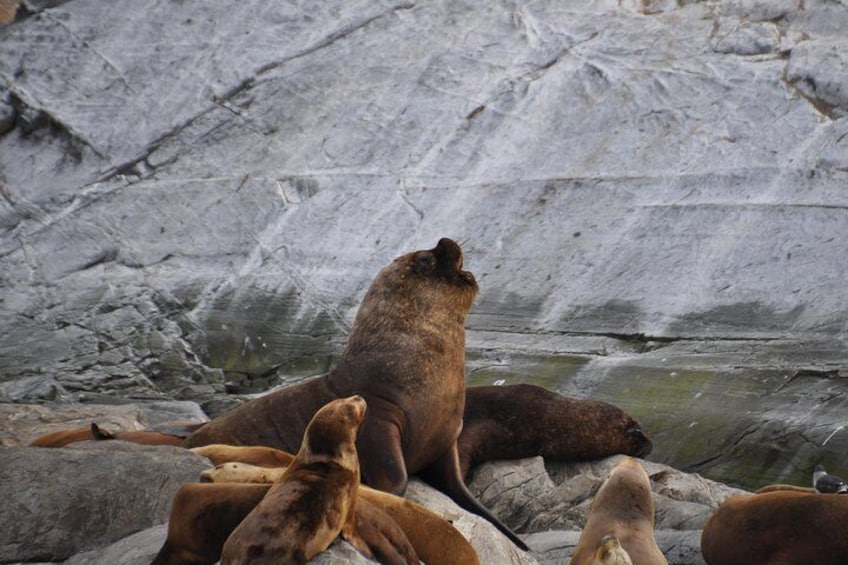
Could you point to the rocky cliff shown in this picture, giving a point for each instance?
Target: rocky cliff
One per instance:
(652, 194)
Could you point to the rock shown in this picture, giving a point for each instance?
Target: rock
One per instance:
(137, 549)
(489, 543)
(549, 503)
(647, 191)
(59, 502)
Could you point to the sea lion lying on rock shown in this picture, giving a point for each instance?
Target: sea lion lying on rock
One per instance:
(518, 421)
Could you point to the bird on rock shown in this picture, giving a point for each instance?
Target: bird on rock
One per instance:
(824, 482)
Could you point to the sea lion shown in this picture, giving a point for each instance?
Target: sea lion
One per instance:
(790, 528)
(623, 508)
(315, 499)
(96, 433)
(518, 421)
(258, 455)
(406, 357)
(435, 540)
(610, 552)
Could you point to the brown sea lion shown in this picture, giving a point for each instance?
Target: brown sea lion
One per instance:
(518, 421)
(315, 499)
(789, 528)
(433, 537)
(95, 432)
(203, 515)
(622, 508)
(406, 356)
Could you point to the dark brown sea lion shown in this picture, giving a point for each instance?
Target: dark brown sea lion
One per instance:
(780, 527)
(624, 509)
(518, 421)
(313, 502)
(406, 356)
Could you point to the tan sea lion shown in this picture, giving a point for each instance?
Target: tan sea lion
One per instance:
(789, 528)
(610, 552)
(257, 455)
(622, 508)
(315, 499)
(434, 539)
(203, 515)
(518, 421)
(782, 487)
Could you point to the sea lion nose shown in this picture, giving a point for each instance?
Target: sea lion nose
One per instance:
(448, 252)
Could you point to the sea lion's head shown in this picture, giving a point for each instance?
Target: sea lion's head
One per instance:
(610, 552)
(333, 429)
(636, 442)
(428, 286)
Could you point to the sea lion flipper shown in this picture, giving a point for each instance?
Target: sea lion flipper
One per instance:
(445, 474)
(381, 458)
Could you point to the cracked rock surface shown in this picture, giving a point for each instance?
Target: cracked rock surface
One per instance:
(194, 198)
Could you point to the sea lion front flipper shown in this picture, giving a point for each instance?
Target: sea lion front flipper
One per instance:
(445, 475)
(381, 461)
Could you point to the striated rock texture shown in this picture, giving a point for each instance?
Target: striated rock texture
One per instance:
(194, 197)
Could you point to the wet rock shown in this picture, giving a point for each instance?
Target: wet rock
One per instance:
(59, 502)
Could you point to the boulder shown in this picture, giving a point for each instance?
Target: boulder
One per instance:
(60, 502)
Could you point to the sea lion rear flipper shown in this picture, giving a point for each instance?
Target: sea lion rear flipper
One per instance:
(445, 475)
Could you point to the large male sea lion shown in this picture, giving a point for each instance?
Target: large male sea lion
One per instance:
(785, 527)
(406, 356)
(518, 421)
(315, 499)
(624, 509)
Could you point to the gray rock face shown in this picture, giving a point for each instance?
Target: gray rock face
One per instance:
(193, 200)
(59, 502)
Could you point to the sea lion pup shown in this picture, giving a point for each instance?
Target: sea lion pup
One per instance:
(315, 499)
(406, 357)
(433, 538)
(622, 508)
(518, 421)
(789, 528)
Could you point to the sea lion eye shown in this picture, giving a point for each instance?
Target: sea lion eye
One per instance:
(634, 429)
(424, 262)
